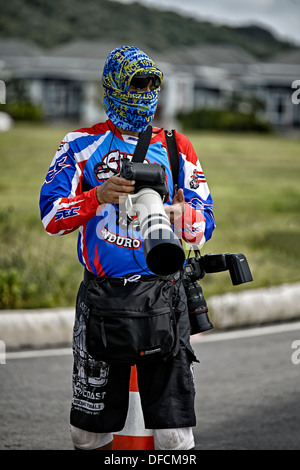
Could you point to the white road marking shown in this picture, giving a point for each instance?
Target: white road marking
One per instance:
(245, 333)
(38, 353)
(201, 338)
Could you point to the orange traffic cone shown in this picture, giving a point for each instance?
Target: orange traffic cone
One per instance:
(134, 436)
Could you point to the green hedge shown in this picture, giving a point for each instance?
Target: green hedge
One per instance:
(23, 111)
(222, 120)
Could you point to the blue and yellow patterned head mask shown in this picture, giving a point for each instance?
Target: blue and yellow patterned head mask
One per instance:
(129, 110)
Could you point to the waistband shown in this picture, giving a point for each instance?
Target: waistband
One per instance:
(88, 276)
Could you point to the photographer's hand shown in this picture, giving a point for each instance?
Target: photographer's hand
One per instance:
(176, 209)
(114, 188)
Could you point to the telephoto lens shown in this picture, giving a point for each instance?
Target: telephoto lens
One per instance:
(163, 252)
(197, 307)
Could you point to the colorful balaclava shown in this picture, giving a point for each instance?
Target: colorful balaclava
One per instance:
(129, 110)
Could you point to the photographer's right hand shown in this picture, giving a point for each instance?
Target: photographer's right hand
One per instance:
(113, 189)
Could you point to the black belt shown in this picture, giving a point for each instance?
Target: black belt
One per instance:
(88, 276)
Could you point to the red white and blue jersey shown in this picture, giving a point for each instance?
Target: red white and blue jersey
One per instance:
(109, 243)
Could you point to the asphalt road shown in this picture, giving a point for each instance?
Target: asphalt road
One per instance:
(247, 394)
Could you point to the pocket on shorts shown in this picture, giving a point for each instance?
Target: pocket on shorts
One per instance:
(185, 373)
(128, 338)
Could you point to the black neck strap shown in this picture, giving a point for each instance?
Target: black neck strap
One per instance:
(142, 145)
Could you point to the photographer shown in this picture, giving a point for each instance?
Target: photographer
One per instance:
(83, 190)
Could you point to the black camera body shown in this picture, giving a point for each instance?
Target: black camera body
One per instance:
(150, 175)
(196, 268)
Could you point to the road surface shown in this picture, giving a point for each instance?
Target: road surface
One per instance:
(247, 385)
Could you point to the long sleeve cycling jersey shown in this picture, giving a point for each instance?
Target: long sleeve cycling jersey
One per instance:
(109, 243)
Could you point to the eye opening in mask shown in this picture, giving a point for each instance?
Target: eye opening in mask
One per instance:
(140, 81)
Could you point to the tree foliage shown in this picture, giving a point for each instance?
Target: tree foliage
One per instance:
(53, 22)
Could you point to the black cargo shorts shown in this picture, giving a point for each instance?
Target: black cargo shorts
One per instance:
(101, 391)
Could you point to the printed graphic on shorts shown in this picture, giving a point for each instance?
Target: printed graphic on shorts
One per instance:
(89, 376)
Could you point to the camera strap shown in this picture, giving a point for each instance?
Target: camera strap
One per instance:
(173, 155)
(142, 145)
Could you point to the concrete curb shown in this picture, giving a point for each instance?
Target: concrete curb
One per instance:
(53, 327)
(36, 328)
(250, 307)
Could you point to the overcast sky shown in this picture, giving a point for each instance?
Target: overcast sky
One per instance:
(282, 17)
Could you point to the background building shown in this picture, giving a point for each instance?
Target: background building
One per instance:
(65, 81)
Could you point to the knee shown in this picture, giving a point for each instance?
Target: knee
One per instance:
(85, 440)
(174, 439)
